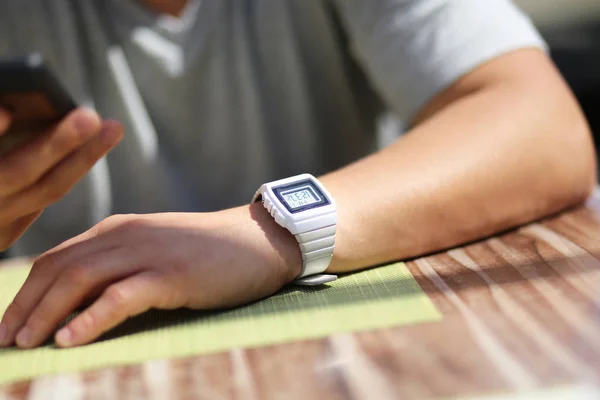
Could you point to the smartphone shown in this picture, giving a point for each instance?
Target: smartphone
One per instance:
(34, 96)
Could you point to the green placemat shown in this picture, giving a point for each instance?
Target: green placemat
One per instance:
(376, 298)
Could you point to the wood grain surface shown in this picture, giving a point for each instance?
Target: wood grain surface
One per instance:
(521, 312)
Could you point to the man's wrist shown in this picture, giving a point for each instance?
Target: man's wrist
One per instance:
(283, 246)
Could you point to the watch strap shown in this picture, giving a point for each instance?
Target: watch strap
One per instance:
(317, 250)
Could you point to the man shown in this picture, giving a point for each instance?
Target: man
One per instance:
(219, 97)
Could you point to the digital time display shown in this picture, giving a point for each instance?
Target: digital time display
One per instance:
(301, 196)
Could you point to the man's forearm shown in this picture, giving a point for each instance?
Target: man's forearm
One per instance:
(504, 153)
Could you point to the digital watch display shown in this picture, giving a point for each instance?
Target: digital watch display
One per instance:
(301, 196)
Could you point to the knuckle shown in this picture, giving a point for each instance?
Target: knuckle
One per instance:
(41, 264)
(16, 306)
(38, 320)
(16, 176)
(78, 275)
(106, 225)
(44, 262)
(114, 222)
(24, 174)
(84, 322)
(62, 142)
(15, 311)
(44, 258)
(117, 296)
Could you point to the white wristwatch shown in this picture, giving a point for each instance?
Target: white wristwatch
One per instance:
(302, 205)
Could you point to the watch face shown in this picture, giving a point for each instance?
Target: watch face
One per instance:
(301, 196)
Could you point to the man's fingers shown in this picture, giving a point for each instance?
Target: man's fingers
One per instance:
(67, 173)
(70, 289)
(26, 165)
(42, 276)
(57, 183)
(5, 119)
(122, 300)
(45, 271)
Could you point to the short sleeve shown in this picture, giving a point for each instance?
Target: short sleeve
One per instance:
(412, 50)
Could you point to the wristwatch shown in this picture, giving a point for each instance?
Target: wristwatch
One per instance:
(302, 205)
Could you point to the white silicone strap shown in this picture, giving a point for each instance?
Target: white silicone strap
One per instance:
(317, 249)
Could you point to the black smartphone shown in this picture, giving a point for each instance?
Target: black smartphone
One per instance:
(34, 96)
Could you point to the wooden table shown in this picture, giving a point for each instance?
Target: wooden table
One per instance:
(521, 311)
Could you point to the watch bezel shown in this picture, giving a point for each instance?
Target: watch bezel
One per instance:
(302, 221)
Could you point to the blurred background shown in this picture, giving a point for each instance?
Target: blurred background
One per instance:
(572, 30)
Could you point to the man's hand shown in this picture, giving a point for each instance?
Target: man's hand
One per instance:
(135, 263)
(42, 171)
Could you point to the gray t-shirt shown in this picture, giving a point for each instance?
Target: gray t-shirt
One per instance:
(238, 92)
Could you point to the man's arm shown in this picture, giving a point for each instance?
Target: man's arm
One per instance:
(505, 145)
